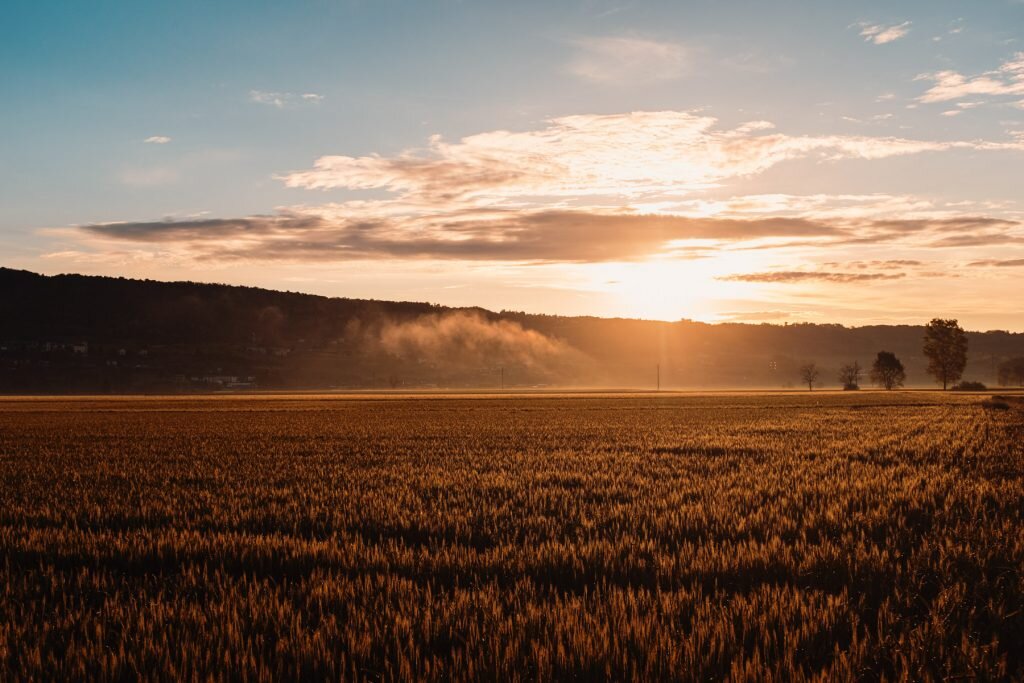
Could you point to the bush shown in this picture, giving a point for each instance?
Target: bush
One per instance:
(851, 387)
(969, 386)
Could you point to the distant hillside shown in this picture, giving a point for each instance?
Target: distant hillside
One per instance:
(81, 333)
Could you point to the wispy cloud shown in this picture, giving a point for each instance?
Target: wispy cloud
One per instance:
(283, 99)
(880, 34)
(627, 60)
(791, 276)
(625, 155)
(157, 140)
(979, 239)
(877, 264)
(999, 263)
(948, 85)
(756, 316)
(956, 27)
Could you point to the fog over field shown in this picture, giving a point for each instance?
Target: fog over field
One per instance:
(468, 339)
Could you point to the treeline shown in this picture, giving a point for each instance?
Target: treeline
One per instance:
(80, 333)
(945, 346)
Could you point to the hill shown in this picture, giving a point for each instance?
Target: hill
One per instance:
(69, 333)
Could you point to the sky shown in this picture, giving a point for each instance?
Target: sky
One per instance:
(831, 162)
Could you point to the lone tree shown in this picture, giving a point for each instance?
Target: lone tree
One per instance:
(945, 345)
(849, 375)
(809, 374)
(887, 371)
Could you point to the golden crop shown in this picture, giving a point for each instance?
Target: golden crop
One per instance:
(741, 537)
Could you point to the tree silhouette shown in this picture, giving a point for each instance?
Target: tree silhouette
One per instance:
(945, 346)
(849, 375)
(809, 374)
(887, 371)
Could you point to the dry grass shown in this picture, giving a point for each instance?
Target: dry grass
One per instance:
(823, 536)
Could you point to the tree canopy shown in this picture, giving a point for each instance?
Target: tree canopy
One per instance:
(809, 374)
(887, 371)
(849, 375)
(945, 347)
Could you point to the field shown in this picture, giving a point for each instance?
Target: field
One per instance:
(743, 537)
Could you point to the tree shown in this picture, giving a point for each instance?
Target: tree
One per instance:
(945, 345)
(887, 371)
(849, 375)
(1012, 372)
(809, 374)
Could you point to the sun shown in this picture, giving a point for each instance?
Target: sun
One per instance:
(671, 289)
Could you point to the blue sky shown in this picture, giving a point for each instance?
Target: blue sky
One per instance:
(457, 151)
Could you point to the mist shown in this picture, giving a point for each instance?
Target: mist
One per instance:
(470, 342)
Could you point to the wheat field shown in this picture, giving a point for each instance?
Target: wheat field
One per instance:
(824, 536)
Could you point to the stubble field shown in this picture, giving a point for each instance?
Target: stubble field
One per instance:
(742, 537)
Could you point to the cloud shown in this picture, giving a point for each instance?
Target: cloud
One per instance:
(372, 230)
(955, 28)
(540, 236)
(951, 224)
(282, 100)
(873, 265)
(879, 34)
(157, 140)
(626, 60)
(732, 316)
(948, 85)
(999, 263)
(858, 225)
(823, 206)
(117, 258)
(982, 239)
(935, 232)
(578, 189)
(618, 155)
(790, 276)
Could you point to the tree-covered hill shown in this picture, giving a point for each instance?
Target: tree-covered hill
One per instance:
(86, 333)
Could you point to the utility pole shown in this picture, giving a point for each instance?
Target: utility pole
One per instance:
(503, 378)
(659, 377)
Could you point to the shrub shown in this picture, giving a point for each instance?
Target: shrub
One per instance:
(967, 385)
